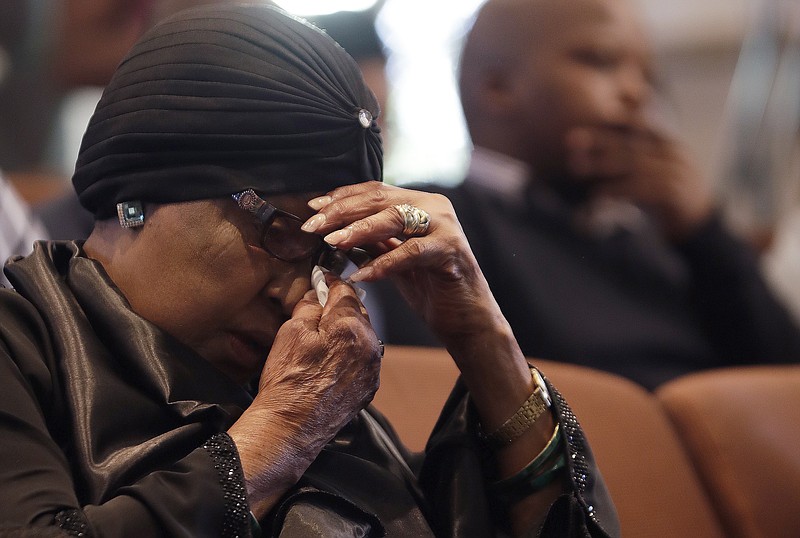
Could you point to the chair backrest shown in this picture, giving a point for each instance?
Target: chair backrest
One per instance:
(415, 383)
(741, 426)
(651, 478)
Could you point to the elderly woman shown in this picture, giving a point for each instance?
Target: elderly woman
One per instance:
(177, 374)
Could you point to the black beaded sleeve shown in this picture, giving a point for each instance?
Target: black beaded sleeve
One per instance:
(225, 457)
(223, 452)
(73, 522)
(580, 471)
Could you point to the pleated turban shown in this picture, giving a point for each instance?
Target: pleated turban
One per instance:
(216, 100)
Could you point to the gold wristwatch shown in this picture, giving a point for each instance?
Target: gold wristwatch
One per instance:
(536, 404)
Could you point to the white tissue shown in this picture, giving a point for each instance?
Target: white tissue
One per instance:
(318, 282)
(319, 285)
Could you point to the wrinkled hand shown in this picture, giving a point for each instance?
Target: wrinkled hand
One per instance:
(437, 272)
(646, 167)
(440, 278)
(322, 369)
(324, 365)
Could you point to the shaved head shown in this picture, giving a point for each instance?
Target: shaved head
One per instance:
(523, 60)
(505, 31)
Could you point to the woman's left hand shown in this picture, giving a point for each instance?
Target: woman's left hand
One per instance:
(436, 272)
(440, 278)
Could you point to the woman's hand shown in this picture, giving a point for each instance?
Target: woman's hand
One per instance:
(439, 276)
(325, 361)
(322, 369)
(436, 272)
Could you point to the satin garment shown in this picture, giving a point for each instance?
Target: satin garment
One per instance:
(103, 413)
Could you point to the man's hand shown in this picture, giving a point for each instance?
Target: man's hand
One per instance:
(645, 167)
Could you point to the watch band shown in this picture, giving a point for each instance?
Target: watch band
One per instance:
(536, 404)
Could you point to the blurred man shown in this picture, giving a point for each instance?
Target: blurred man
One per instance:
(18, 228)
(597, 234)
(52, 49)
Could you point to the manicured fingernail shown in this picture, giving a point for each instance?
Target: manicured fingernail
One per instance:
(319, 203)
(362, 274)
(312, 224)
(338, 236)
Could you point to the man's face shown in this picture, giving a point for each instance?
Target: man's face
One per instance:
(589, 66)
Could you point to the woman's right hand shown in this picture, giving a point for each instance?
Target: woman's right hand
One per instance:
(324, 364)
(322, 369)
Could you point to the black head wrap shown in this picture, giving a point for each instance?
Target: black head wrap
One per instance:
(216, 100)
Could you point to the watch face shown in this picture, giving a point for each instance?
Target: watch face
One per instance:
(539, 380)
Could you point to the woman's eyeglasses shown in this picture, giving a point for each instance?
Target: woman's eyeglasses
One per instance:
(282, 237)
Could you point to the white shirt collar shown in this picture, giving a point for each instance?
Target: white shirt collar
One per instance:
(505, 176)
(508, 178)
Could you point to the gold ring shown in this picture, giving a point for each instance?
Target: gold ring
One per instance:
(415, 220)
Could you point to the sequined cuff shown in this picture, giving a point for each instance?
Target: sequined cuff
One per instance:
(222, 450)
(576, 442)
(73, 522)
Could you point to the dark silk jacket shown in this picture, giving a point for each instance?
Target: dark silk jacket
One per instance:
(110, 427)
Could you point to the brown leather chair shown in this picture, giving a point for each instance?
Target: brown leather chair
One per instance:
(741, 427)
(655, 488)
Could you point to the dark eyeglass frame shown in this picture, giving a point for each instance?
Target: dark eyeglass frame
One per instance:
(328, 256)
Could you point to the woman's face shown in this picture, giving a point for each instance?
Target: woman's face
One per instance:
(197, 270)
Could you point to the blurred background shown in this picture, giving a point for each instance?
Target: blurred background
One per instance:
(730, 69)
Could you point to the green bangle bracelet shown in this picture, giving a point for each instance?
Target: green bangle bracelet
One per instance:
(534, 468)
(534, 476)
(513, 494)
(255, 527)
